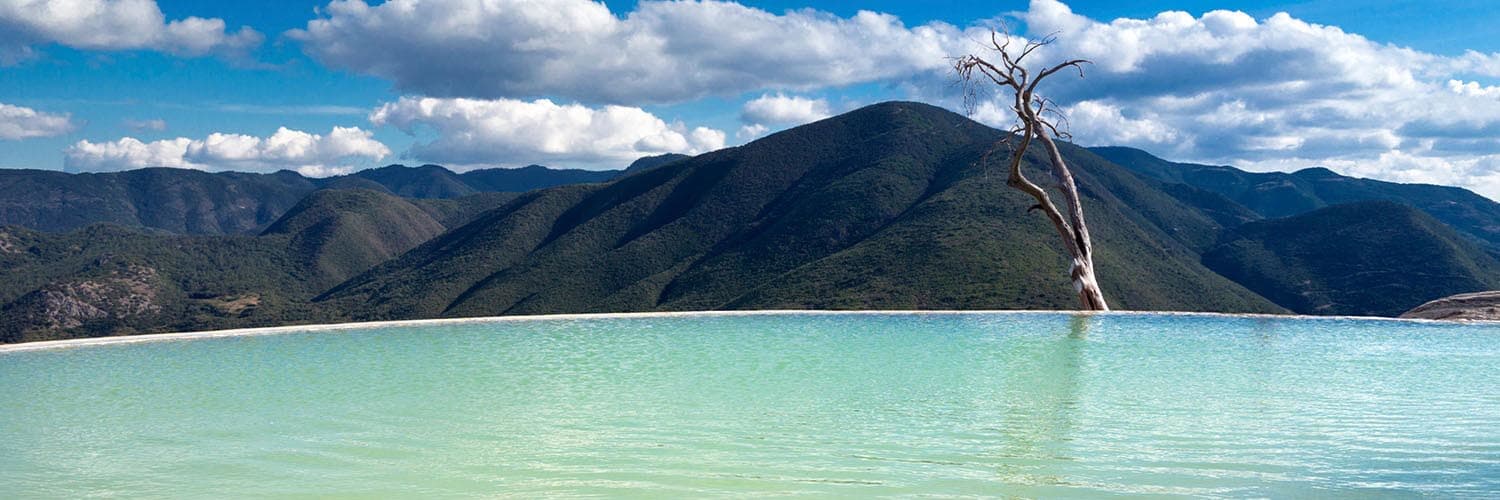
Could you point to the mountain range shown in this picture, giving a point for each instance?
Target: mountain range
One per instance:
(195, 202)
(1277, 194)
(884, 207)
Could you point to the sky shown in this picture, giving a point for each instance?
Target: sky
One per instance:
(1407, 91)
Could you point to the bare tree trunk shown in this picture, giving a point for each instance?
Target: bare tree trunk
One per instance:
(1090, 296)
(1030, 112)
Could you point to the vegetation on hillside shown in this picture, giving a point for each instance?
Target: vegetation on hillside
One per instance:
(1279, 194)
(195, 202)
(87, 283)
(884, 207)
(1374, 258)
(176, 200)
(112, 280)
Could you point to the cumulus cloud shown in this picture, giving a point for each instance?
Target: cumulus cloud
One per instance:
(752, 131)
(310, 154)
(579, 50)
(510, 132)
(1473, 89)
(112, 25)
(1106, 123)
(780, 109)
(1218, 87)
(19, 122)
(1221, 86)
(1278, 92)
(767, 111)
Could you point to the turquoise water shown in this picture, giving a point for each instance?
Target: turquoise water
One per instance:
(1027, 405)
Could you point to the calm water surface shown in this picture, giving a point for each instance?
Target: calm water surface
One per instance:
(1026, 405)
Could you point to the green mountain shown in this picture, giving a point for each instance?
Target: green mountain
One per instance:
(883, 207)
(177, 200)
(520, 180)
(112, 280)
(426, 181)
(455, 212)
(340, 233)
(654, 161)
(1366, 258)
(433, 181)
(1278, 194)
(195, 202)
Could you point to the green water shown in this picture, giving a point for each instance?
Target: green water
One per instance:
(1027, 405)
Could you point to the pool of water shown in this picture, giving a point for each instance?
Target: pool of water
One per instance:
(1027, 405)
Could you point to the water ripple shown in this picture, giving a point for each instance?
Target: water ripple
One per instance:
(1024, 405)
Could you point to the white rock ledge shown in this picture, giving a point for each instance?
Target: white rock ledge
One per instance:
(276, 330)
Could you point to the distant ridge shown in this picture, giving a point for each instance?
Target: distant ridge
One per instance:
(434, 181)
(338, 233)
(176, 200)
(1368, 258)
(650, 162)
(1279, 194)
(196, 202)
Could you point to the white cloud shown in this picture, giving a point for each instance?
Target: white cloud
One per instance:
(127, 153)
(1280, 92)
(153, 125)
(19, 122)
(324, 170)
(779, 111)
(1473, 89)
(1220, 87)
(312, 154)
(511, 132)
(112, 25)
(1104, 124)
(579, 50)
(751, 131)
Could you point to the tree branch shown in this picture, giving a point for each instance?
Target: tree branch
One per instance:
(1031, 110)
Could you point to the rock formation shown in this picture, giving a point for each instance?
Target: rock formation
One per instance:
(1477, 306)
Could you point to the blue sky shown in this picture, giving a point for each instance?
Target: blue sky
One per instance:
(151, 94)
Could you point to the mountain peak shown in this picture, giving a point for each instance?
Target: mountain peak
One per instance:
(340, 232)
(892, 124)
(1316, 173)
(895, 110)
(880, 207)
(646, 162)
(900, 106)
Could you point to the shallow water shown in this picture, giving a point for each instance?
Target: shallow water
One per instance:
(1028, 405)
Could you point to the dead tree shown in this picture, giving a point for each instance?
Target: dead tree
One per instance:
(1033, 123)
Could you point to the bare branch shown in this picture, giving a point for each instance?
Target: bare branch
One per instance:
(1032, 46)
(1076, 64)
(1033, 112)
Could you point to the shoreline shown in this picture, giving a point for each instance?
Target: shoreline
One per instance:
(333, 327)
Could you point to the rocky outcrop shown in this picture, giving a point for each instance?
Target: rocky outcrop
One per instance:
(1478, 306)
(129, 292)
